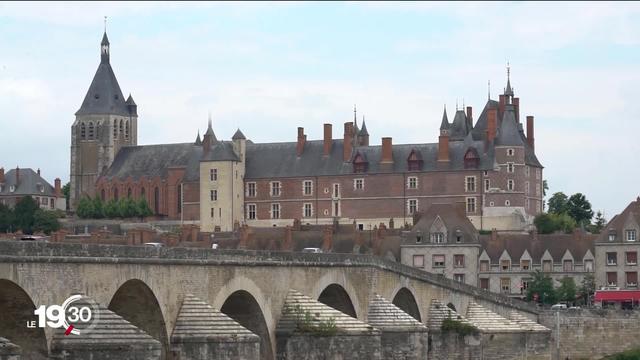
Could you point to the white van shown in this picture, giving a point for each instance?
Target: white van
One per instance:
(312, 250)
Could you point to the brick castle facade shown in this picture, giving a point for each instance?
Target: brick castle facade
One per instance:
(488, 165)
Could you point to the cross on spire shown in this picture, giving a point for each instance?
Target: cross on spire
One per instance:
(105, 23)
(354, 113)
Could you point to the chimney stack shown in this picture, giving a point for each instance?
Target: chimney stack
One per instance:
(57, 188)
(443, 147)
(502, 102)
(349, 133)
(38, 171)
(516, 105)
(328, 141)
(301, 141)
(470, 113)
(387, 152)
(530, 138)
(1, 175)
(492, 124)
(17, 175)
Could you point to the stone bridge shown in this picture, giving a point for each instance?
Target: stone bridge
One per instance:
(147, 287)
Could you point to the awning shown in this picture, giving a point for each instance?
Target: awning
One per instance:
(617, 295)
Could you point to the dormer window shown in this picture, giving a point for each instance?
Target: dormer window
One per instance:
(12, 188)
(471, 159)
(458, 236)
(612, 235)
(631, 235)
(437, 238)
(414, 161)
(360, 163)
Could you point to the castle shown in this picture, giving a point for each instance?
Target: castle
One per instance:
(489, 167)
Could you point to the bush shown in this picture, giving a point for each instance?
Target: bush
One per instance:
(46, 221)
(462, 328)
(307, 323)
(549, 223)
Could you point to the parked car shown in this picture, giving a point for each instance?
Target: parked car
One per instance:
(154, 244)
(34, 238)
(312, 250)
(559, 307)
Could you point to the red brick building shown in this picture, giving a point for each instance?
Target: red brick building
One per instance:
(489, 164)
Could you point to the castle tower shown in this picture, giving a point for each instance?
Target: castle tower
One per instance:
(105, 122)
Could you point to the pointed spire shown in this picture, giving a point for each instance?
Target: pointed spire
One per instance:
(363, 131)
(198, 141)
(130, 100)
(238, 135)
(488, 89)
(508, 90)
(445, 121)
(104, 45)
(354, 114)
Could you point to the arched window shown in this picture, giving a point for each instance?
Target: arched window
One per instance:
(115, 129)
(142, 193)
(126, 129)
(129, 192)
(156, 200)
(115, 193)
(83, 131)
(179, 198)
(121, 127)
(91, 130)
(102, 194)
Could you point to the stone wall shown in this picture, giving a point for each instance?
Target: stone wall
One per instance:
(216, 350)
(593, 334)
(494, 346)
(404, 345)
(341, 346)
(451, 346)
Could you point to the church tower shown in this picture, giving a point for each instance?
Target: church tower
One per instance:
(105, 122)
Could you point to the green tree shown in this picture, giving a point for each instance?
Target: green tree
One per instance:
(542, 286)
(558, 203)
(587, 288)
(545, 188)
(580, 209)
(143, 208)
(7, 220)
(550, 223)
(567, 289)
(98, 208)
(563, 222)
(599, 223)
(46, 221)
(128, 208)
(66, 191)
(85, 208)
(111, 209)
(24, 213)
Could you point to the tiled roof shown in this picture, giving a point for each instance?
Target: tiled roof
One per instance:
(627, 219)
(453, 220)
(557, 244)
(154, 160)
(28, 184)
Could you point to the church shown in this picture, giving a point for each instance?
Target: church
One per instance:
(487, 167)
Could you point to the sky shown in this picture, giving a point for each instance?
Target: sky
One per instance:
(268, 68)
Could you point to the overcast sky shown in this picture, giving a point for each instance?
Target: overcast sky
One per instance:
(268, 68)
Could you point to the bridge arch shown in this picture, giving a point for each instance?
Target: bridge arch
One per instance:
(16, 308)
(338, 298)
(242, 300)
(406, 301)
(135, 302)
(344, 291)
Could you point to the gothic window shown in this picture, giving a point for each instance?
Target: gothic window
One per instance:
(83, 131)
(179, 203)
(129, 192)
(115, 194)
(126, 129)
(102, 195)
(115, 129)
(91, 130)
(142, 193)
(156, 200)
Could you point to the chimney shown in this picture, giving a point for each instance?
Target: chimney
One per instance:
(443, 148)
(502, 102)
(494, 235)
(492, 124)
(17, 175)
(470, 113)
(1, 175)
(327, 140)
(530, 138)
(348, 141)
(58, 189)
(387, 152)
(516, 105)
(301, 141)
(38, 171)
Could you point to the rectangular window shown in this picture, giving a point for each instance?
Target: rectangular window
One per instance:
(526, 171)
(213, 195)
(251, 189)
(510, 185)
(505, 285)
(213, 174)
(458, 277)
(471, 205)
(632, 258)
(538, 189)
(487, 184)
(612, 279)
(612, 258)
(525, 264)
(631, 235)
(307, 187)
(484, 265)
(510, 168)
(458, 261)
(358, 184)
(588, 265)
(484, 284)
(412, 206)
(524, 285)
(212, 212)
(612, 236)
(412, 182)
(336, 190)
(526, 188)
(632, 279)
(307, 210)
(437, 238)
(547, 266)
(275, 188)
(275, 211)
(470, 184)
(567, 265)
(438, 261)
(538, 174)
(251, 211)
(418, 261)
(505, 265)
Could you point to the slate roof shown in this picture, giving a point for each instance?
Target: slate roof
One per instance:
(453, 220)
(508, 133)
(363, 131)
(557, 244)
(154, 160)
(238, 135)
(617, 224)
(221, 151)
(444, 125)
(28, 184)
(460, 126)
(273, 160)
(104, 95)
